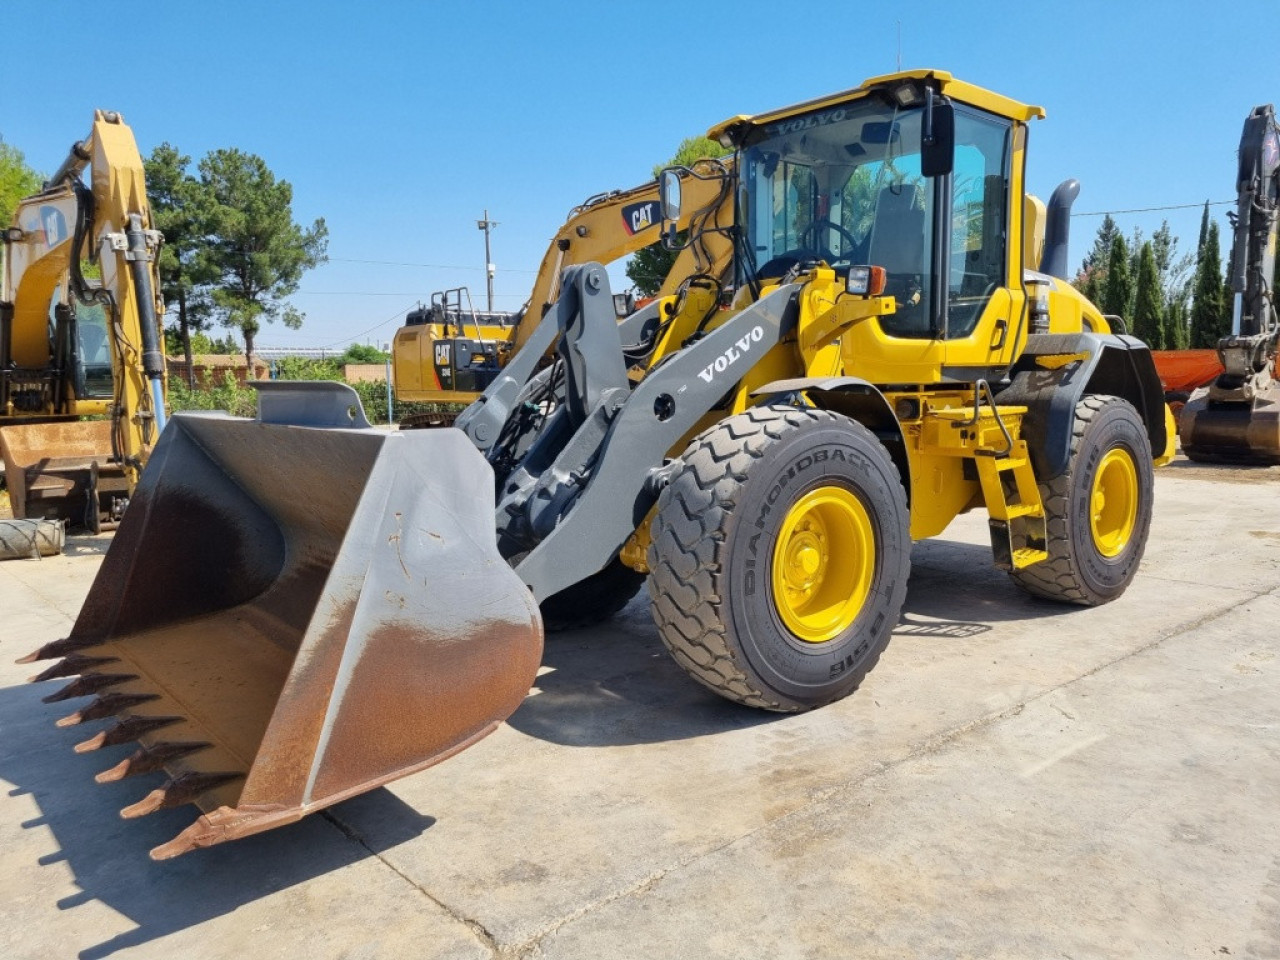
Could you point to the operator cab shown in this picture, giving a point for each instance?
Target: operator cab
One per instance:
(878, 181)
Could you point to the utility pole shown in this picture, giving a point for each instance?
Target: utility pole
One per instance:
(486, 225)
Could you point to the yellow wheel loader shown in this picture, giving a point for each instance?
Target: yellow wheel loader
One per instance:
(448, 352)
(897, 346)
(72, 346)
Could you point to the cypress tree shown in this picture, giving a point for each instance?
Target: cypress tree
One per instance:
(1117, 288)
(1148, 323)
(1097, 258)
(1208, 323)
(1177, 334)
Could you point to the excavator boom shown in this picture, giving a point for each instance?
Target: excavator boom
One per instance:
(451, 352)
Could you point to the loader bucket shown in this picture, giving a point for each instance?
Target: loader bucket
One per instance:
(290, 616)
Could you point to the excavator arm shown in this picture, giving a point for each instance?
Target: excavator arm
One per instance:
(614, 225)
(1253, 246)
(431, 364)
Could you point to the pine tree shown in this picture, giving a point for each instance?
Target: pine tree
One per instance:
(1204, 232)
(1117, 288)
(1148, 314)
(1208, 322)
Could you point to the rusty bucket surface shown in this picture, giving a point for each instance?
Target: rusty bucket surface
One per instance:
(290, 616)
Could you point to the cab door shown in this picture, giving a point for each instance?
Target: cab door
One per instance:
(981, 269)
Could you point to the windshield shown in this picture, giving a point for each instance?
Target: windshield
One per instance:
(94, 351)
(843, 186)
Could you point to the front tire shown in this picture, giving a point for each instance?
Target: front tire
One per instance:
(780, 556)
(1098, 510)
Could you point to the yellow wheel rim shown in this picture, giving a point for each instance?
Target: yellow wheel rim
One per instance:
(823, 563)
(1113, 502)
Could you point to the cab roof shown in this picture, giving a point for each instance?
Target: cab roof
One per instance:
(957, 90)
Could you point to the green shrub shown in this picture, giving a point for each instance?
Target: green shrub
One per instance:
(227, 394)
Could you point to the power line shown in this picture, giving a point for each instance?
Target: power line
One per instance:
(377, 326)
(429, 266)
(379, 293)
(1174, 206)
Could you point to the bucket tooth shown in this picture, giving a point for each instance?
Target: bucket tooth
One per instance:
(105, 706)
(150, 759)
(126, 731)
(87, 684)
(59, 648)
(72, 666)
(176, 792)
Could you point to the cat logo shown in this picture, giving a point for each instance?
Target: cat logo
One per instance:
(442, 354)
(639, 216)
(54, 226)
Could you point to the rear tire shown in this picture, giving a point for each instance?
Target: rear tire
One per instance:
(1098, 510)
(599, 597)
(780, 557)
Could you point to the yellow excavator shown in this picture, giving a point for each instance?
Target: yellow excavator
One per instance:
(72, 346)
(448, 352)
(896, 345)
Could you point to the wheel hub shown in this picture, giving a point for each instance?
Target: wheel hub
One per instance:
(823, 564)
(1113, 502)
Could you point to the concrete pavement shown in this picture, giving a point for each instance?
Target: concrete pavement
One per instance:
(1015, 779)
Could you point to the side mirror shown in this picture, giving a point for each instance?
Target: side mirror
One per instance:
(669, 201)
(669, 192)
(938, 136)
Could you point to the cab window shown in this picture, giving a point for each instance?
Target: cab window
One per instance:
(979, 218)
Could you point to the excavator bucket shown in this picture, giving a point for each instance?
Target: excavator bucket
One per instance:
(64, 471)
(1239, 433)
(295, 611)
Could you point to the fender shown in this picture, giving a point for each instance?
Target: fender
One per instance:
(1056, 370)
(856, 399)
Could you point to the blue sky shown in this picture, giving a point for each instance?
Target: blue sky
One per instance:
(399, 123)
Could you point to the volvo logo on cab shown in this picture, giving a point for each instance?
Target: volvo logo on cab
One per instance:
(731, 356)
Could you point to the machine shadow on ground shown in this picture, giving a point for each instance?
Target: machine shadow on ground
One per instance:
(612, 684)
(107, 856)
(615, 684)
